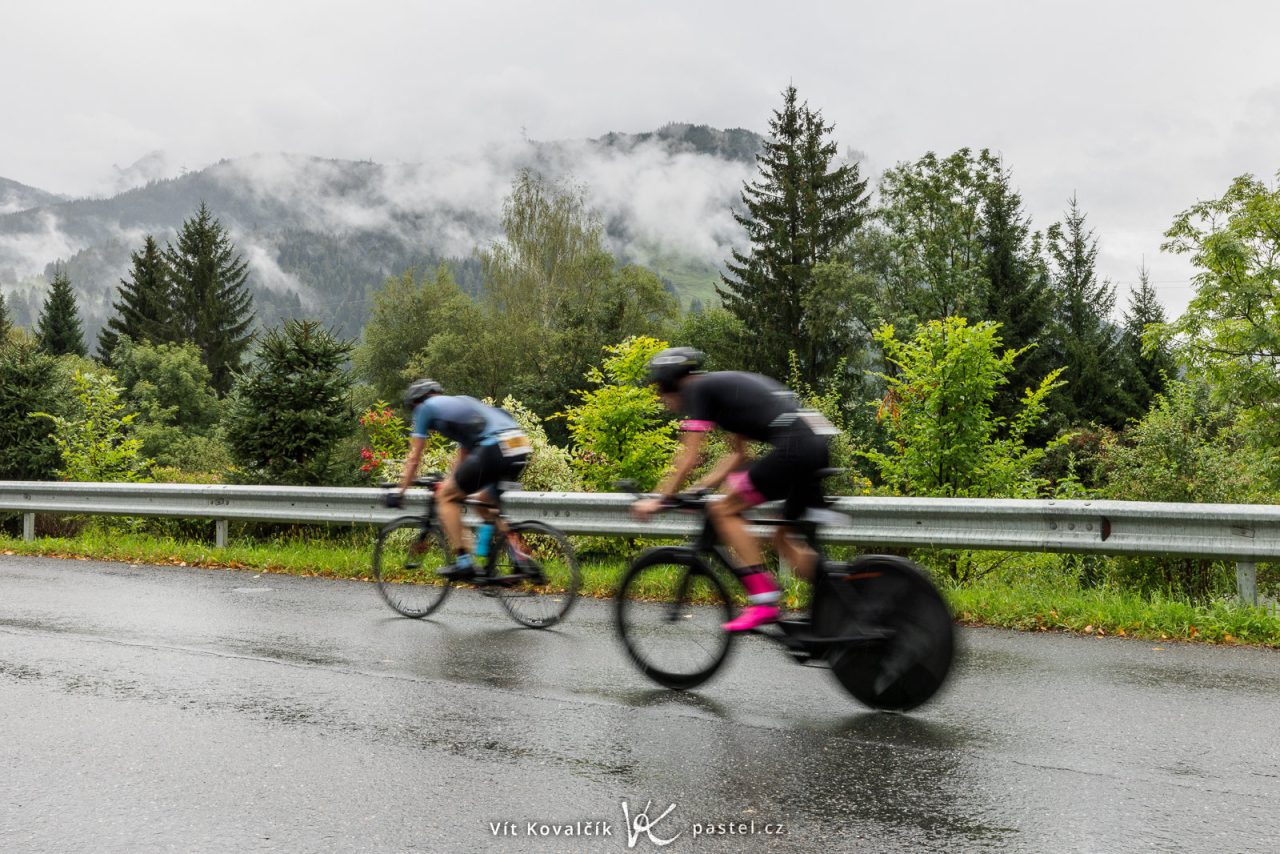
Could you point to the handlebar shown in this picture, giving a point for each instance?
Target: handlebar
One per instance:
(430, 480)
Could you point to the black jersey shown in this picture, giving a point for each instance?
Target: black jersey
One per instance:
(750, 405)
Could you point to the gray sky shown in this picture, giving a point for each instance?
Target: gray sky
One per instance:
(1138, 108)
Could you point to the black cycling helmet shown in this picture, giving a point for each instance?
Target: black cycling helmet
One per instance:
(671, 365)
(420, 390)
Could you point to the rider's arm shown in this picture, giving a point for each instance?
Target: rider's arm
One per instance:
(687, 457)
(729, 463)
(416, 444)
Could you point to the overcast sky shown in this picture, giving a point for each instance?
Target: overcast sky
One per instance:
(1139, 109)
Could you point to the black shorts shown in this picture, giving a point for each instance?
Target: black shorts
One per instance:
(788, 472)
(487, 468)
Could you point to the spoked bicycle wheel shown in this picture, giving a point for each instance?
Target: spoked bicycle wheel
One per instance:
(887, 595)
(670, 607)
(537, 576)
(406, 559)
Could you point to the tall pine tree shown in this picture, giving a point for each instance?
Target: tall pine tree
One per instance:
(1018, 295)
(145, 310)
(212, 303)
(1150, 364)
(59, 330)
(798, 213)
(1085, 340)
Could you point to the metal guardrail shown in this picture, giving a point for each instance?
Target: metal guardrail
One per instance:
(1244, 533)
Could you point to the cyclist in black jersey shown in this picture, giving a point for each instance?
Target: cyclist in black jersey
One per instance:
(751, 408)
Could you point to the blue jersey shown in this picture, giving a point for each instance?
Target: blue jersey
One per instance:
(463, 419)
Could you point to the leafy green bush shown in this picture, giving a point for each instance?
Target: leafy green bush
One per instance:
(170, 389)
(620, 429)
(95, 440)
(944, 437)
(1187, 449)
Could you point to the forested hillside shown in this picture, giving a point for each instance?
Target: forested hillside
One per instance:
(320, 235)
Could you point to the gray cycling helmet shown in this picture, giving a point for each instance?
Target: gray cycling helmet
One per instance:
(671, 365)
(420, 390)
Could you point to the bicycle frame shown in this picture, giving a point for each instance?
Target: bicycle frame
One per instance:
(795, 635)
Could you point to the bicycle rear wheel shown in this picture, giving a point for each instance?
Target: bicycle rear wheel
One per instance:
(406, 558)
(670, 608)
(892, 596)
(537, 576)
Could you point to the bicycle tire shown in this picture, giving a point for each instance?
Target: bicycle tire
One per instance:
(675, 639)
(411, 591)
(544, 573)
(907, 668)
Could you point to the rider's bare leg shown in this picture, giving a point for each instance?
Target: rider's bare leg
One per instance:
(726, 515)
(762, 590)
(449, 506)
(796, 552)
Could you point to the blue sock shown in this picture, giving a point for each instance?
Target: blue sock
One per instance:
(483, 534)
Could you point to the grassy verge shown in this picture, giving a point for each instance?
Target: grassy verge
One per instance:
(1115, 613)
(1027, 607)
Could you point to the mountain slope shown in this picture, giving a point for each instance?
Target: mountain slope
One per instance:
(321, 235)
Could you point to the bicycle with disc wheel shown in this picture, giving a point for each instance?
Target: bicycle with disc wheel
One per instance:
(878, 622)
(530, 568)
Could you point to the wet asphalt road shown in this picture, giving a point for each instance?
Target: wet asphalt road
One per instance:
(147, 708)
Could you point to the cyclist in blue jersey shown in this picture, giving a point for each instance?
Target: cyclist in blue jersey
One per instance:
(492, 450)
(751, 408)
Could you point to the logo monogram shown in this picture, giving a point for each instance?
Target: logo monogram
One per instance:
(641, 823)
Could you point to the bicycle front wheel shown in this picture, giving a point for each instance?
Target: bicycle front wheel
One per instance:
(537, 575)
(670, 608)
(406, 559)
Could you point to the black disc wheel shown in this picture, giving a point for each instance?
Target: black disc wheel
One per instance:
(670, 608)
(891, 598)
(406, 560)
(536, 574)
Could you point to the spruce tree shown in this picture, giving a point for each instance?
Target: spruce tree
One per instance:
(1150, 366)
(799, 212)
(145, 310)
(212, 304)
(291, 408)
(1018, 295)
(1086, 342)
(59, 330)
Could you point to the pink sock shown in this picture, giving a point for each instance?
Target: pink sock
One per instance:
(761, 589)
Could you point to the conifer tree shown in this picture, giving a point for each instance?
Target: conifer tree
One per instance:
(212, 304)
(145, 310)
(291, 407)
(1018, 295)
(799, 212)
(59, 330)
(1085, 340)
(1150, 363)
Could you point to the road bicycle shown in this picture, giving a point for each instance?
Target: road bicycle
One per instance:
(530, 568)
(878, 623)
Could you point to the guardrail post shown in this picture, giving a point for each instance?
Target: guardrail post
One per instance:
(220, 533)
(1247, 581)
(28, 526)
